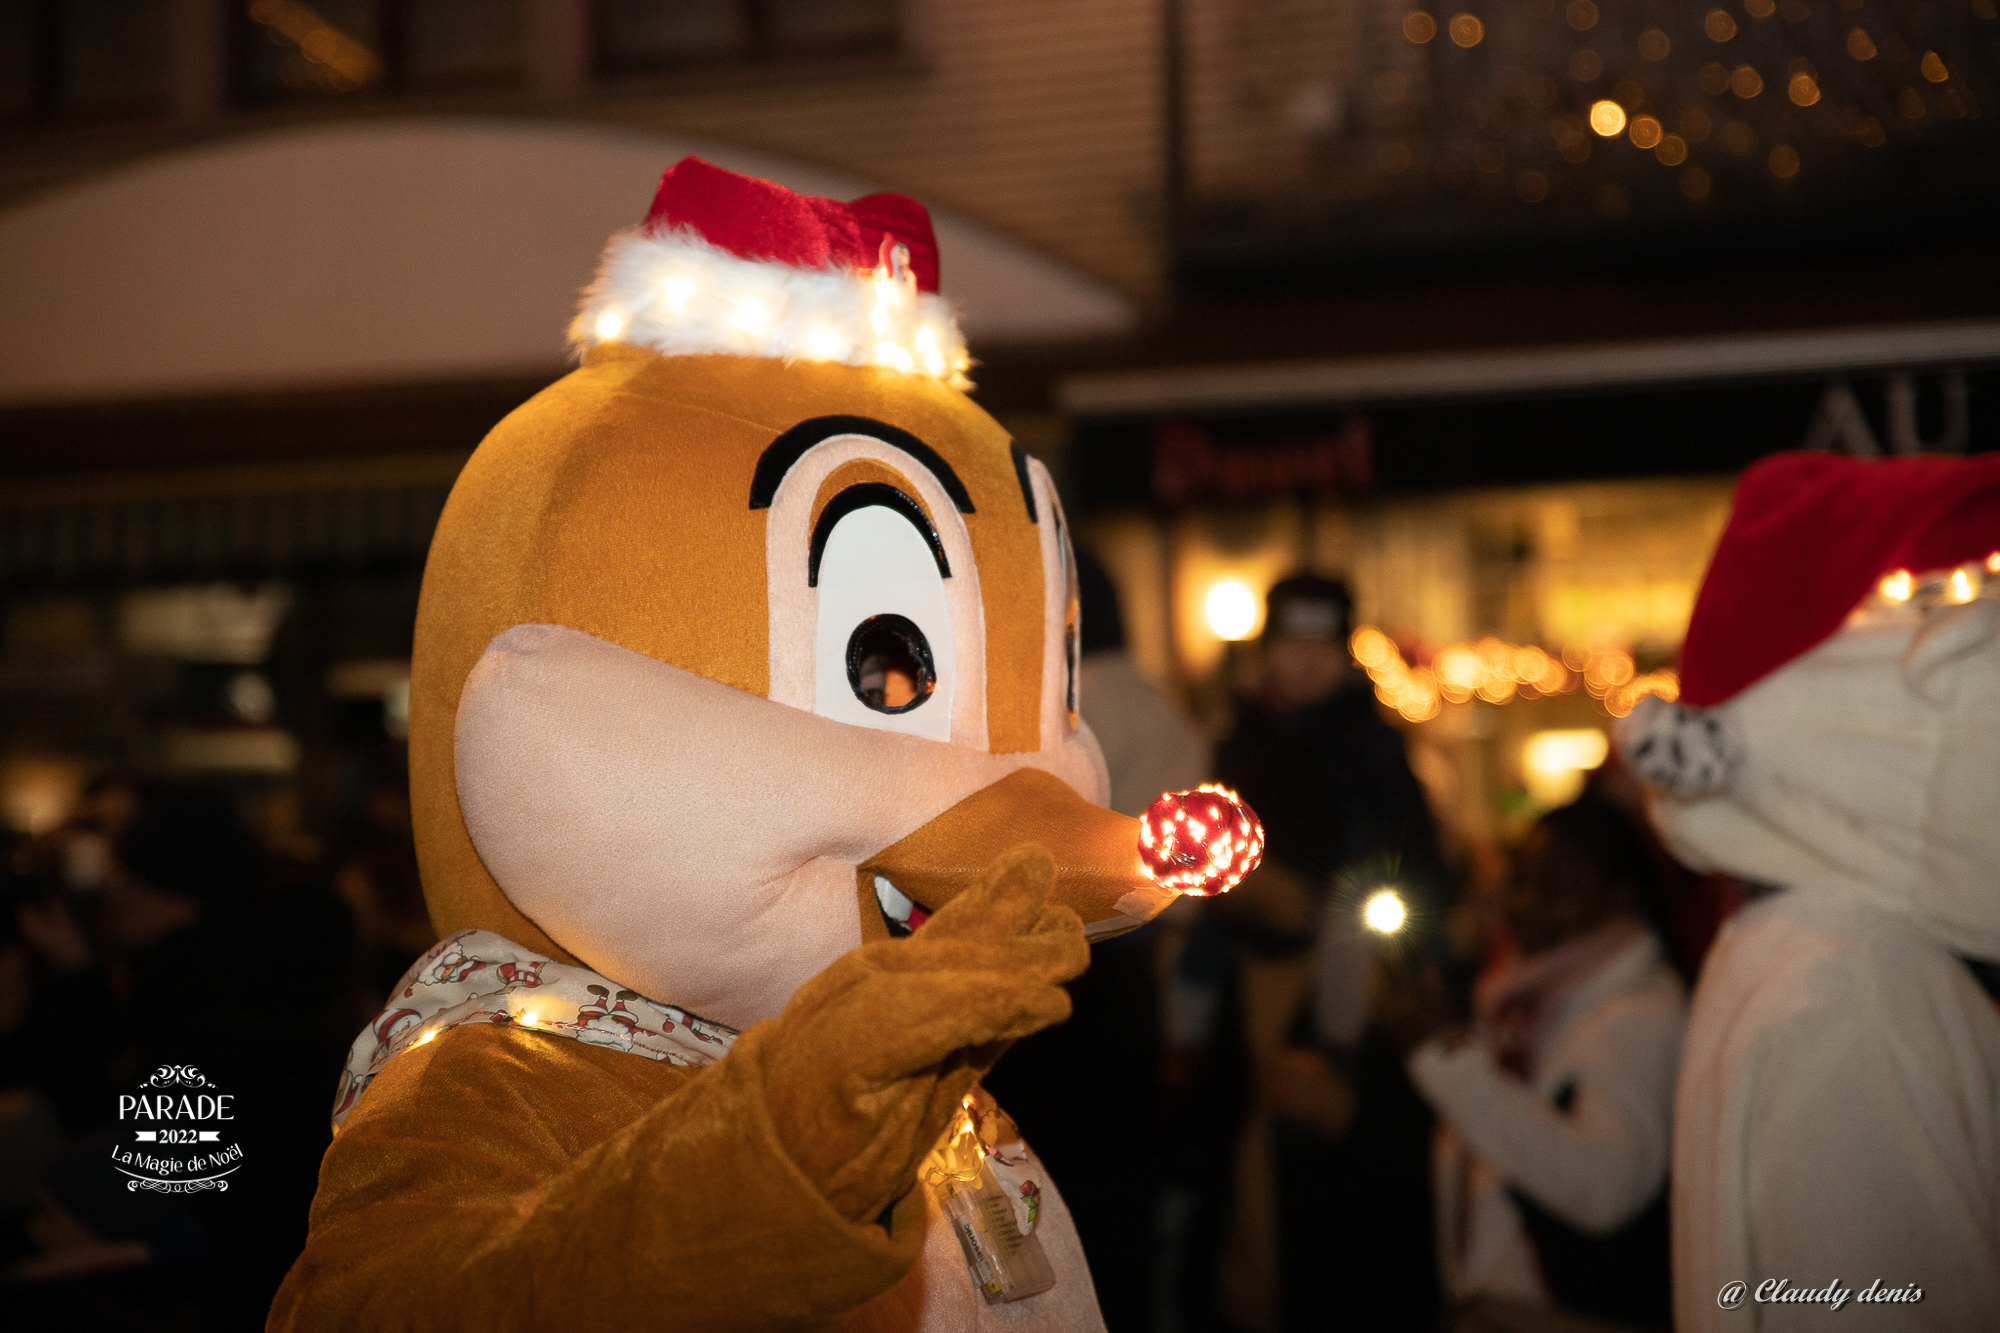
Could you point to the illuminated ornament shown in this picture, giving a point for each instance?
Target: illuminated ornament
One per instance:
(960, 1154)
(1384, 912)
(1201, 842)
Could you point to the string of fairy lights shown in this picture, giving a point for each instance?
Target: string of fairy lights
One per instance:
(1497, 672)
(1491, 670)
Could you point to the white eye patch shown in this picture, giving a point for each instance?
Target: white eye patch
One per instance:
(877, 566)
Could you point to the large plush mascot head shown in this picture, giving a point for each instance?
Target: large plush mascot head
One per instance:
(753, 638)
(1840, 702)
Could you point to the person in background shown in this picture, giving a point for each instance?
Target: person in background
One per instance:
(1324, 1205)
(1557, 1107)
(165, 942)
(1087, 1091)
(375, 878)
(1150, 743)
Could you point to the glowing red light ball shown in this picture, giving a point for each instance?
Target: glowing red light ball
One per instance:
(1201, 842)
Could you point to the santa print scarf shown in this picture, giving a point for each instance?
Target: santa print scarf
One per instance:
(1517, 995)
(477, 976)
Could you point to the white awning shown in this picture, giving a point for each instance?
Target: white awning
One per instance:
(395, 251)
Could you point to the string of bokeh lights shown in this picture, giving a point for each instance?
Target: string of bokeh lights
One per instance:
(1494, 671)
(1684, 83)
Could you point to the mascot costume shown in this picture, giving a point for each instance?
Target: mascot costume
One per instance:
(756, 818)
(1837, 744)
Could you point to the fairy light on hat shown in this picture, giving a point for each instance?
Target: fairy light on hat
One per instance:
(1881, 536)
(1201, 842)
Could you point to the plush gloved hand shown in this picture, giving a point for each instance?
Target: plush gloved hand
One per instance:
(867, 1064)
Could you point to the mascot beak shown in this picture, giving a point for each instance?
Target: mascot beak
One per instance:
(1102, 872)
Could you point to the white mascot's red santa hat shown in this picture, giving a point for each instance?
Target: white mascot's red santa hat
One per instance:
(1840, 691)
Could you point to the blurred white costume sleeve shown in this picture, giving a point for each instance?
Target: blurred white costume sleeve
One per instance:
(1599, 1164)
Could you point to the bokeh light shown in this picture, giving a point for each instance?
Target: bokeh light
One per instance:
(1553, 763)
(1384, 912)
(1232, 610)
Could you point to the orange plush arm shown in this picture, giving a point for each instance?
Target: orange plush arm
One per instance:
(502, 1179)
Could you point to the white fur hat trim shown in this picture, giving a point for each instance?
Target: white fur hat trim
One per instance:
(675, 293)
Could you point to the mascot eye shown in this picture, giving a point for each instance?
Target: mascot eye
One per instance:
(882, 645)
(889, 664)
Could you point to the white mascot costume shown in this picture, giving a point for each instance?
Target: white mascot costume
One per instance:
(1837, 743)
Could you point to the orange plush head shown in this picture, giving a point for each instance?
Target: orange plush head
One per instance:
(754, 637)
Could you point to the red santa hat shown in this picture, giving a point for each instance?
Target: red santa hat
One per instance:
(1812, 534)
(737, 265)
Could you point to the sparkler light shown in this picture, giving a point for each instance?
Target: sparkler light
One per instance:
(1384, 912)
(1201, 842)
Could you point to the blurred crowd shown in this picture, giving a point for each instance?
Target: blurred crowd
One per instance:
(1398, 1078)
(156, 927)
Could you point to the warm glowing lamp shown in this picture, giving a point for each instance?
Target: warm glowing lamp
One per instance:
(1554, 762)
(1384, 912)
(1201, 842)
(1232, 610)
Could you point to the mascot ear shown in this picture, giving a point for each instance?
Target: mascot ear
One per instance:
(1678, 749)
(1948, 634)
